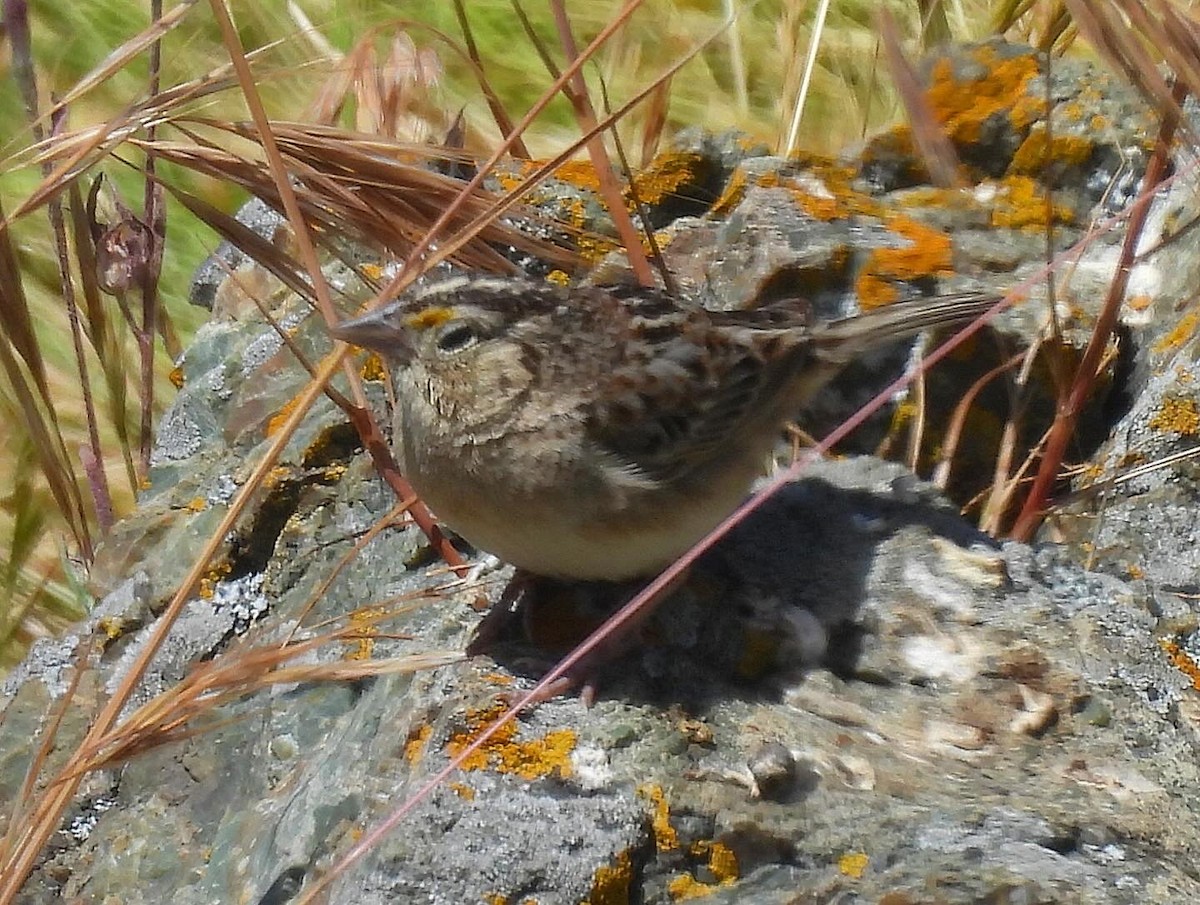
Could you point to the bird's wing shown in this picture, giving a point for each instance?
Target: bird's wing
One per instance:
(672, 406)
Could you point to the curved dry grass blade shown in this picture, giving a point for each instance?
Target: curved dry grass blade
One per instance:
(453, 243)
(21, 805)
(610, 190)
(937, 151)
(958, 419)
(101, 335)
(503, 122)
(119, 58)
(434, 234)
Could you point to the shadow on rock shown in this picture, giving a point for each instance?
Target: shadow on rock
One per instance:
(782, 594)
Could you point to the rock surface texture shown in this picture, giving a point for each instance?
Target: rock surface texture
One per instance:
(856, 697)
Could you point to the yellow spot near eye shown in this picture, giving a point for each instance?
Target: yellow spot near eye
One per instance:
(433, 316)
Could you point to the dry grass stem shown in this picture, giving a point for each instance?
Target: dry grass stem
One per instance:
(936, 149)
(1070, 407)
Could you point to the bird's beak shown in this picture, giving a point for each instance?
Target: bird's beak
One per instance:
(378, 330)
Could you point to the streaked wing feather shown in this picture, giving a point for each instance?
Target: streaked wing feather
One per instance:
(676, 419)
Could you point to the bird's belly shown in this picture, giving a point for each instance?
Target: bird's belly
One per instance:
(555, 529)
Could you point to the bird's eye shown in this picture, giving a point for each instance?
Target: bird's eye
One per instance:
(456, 337)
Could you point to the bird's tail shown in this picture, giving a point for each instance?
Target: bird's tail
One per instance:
(842, 341)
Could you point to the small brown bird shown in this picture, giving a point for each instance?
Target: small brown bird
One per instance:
(597, 434)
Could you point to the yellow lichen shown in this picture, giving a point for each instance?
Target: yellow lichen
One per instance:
(722, 862)
(1177, 415)
(196, 504)
(926, 252)
(505, 753)
(612, 882)
(215, 574)
(463, 791)
(665, 174)
(362, 642)
(373, 368)
(1023, 205)
(688, 887)
(1180, 333)
(665, 837)
(1037, 151)
(276, 421)
(853, 864)
(414, 746)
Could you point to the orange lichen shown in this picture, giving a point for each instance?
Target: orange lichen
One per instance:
(927, 252)
(665, 174)
(1038, 151)
(853, 864)
(1182, 661)
(964, 107)
(1022, 205)
(579, 173)
(277, 420)
(1177, 415)
(176, 377)
(732, 195)
(505, 753)
(414, 745)
(1180, 333)
(196, 504)
(462, 790)
(612, 882)
(665, 837)
(874, 291)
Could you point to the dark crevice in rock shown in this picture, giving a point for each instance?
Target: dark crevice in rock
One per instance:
(255, 546)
